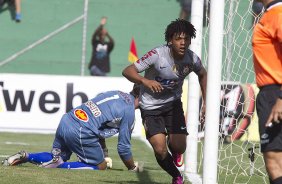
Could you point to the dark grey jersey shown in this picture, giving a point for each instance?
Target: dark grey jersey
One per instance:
(159, 65)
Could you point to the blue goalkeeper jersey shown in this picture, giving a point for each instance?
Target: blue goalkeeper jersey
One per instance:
(107, 114)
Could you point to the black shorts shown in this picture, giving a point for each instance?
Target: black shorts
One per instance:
(167, 120)
(271, 137)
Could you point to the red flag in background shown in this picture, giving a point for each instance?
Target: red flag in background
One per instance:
(132, 55)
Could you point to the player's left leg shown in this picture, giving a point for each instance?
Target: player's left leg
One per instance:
(23, 157)
(57, 162)
(177, 146)
(273, 164)
(85, 144)
(39, 158)
(78, 165)
(164, 158)
(177, 132)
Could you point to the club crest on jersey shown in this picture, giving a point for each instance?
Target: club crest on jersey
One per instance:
(81, 115)
(185, 71)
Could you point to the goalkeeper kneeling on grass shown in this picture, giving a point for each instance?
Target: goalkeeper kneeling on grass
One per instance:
(81, 130)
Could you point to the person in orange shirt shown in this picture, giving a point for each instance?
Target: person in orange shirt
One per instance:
(267, 58)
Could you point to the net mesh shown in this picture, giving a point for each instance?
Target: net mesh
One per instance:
(239, 158)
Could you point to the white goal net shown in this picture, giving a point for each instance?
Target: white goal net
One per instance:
(239, 157)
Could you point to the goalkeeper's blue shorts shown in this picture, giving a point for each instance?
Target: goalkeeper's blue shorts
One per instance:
(72, 138)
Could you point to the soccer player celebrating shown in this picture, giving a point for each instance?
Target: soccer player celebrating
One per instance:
(161, 108)
(79, 131)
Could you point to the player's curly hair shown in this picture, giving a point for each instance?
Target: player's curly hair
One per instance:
(179, 26)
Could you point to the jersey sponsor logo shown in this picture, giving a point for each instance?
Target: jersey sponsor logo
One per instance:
(147, 55)
(93, 108)
(81, 115)
(168, 83)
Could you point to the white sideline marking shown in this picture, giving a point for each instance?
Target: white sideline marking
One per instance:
(14, 56)
(16, 143)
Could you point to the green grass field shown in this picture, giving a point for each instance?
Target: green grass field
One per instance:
(234, 165)
(230, 171)
(11, 143)
(145, 20)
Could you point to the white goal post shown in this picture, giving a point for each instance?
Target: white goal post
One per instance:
(213, 92)
(193, 96)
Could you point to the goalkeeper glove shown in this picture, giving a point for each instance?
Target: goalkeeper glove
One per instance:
(138, 167)
(109, 162)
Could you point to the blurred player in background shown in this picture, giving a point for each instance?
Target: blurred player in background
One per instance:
(18, 15)
(186, 7)
(185, 11)
(267, 58)
(101, 49)
(161, 108)
(14, 6)
(79, 131)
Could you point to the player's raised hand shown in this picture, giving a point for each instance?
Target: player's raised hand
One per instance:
(103, 21)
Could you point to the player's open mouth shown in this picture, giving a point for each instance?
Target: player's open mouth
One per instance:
(182, 50)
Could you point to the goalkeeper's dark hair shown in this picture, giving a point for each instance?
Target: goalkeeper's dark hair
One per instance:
(135, 91)
(179, 26)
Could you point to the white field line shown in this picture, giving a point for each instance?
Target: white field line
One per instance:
(16, 143)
